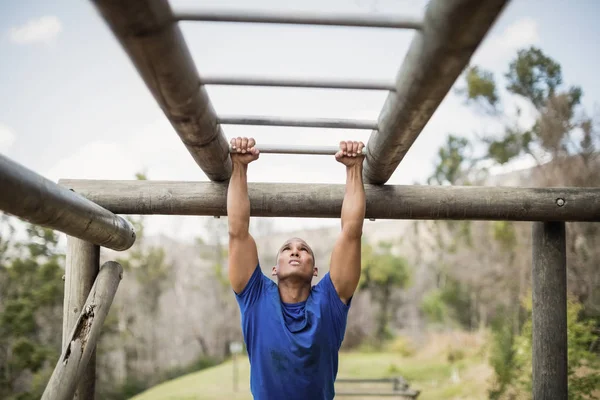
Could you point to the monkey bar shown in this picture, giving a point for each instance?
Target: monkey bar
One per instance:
(297, 122)
(443, 43)
(321, 83)
(273, 17)
(297, 149)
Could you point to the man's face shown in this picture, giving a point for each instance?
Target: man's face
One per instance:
(295, 259)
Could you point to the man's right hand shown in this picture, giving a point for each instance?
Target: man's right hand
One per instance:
(243, 150)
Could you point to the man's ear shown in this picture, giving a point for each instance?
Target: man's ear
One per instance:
(315, 271)
(274, 271)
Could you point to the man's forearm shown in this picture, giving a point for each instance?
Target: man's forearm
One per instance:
(354, 203)
(238, 202)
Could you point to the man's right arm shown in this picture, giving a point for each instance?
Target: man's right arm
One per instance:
(243, 255)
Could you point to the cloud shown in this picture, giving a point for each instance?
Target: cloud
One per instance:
(7, 138)
(41, 30)
(521, 33)
(499, 48)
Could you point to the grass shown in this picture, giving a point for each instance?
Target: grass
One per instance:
(427, 370)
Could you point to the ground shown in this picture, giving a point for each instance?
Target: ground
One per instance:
(449, 367)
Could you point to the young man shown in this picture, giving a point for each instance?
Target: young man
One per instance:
(293, 332)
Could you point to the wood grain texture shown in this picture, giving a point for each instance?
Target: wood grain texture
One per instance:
(29, 196)
(153, 41)
(439, 52)
(325, 201)
(549, 317)
(84, 335)
(81, 269)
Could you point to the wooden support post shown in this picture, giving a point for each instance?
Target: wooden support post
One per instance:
(549, 282)
(82, 338)
(81, 269)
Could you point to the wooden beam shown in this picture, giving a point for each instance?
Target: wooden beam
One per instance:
(549, 285)
(84, 335)
(29, 196)
(81, 269)
(325, 200)
(149, 34)
(437, 55)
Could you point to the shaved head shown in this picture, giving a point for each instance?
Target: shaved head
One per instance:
(287, 242)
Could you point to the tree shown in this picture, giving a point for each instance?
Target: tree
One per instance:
(563, 144)
(382, 272)
(31, 293)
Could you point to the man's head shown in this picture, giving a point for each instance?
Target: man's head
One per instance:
(296, 260)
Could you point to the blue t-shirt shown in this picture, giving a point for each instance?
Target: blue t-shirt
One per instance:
(293, 348)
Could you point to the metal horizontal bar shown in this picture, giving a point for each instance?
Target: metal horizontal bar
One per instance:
(29, 196)
(156, 47)
(296, 149)
(297, 122)
(397, 394)
(321, 83)
(308, 200)
(368, 380)
(274, 17)
(380, 394)
(437, 55)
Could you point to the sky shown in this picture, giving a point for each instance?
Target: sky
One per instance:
(73, 106)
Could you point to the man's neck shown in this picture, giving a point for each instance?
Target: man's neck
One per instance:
(293, 291)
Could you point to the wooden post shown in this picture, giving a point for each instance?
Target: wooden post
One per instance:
(549, 282)
(81, 269)
(81, 341)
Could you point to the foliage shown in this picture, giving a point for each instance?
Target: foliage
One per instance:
(511, 357)
(452, 161)
(448, 305)
(481, 86)
(381, 273)
(31, 292)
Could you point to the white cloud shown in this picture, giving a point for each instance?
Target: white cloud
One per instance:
(521, 33)
(499, 48)
(7, 138)
(41, 30)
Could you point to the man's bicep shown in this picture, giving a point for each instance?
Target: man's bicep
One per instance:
(345, 265)
(243, 259)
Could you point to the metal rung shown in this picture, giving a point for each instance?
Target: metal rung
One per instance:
(298, 149)
(270, 17)
(294, 82)
(296, 122)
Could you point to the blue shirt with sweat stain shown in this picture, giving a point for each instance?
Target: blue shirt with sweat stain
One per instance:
(293, 348)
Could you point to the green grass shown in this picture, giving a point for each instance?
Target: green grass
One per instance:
(431, 374)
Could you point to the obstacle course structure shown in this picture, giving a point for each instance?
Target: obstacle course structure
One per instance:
(444, 41)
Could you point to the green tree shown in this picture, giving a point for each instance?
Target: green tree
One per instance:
(513, 375)
(563, 142)
(382, 272)
(31, 293)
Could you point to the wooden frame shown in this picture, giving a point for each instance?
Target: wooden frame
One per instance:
(149, 33)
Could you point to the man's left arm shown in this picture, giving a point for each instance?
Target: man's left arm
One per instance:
(346, 256)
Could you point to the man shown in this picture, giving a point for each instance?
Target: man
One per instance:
(293, 332)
